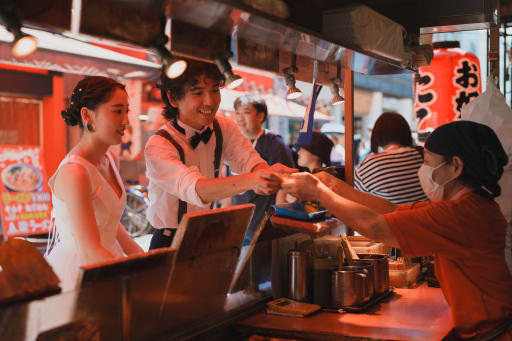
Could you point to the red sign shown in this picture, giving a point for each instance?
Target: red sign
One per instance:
(451, 81)
(25, 198)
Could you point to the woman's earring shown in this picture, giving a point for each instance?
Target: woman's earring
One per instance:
(88, 127)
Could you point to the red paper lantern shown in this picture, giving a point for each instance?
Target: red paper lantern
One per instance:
(445, 86)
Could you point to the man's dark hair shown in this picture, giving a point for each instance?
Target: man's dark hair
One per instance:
(176, 87)
(255, 100)
(390, 127)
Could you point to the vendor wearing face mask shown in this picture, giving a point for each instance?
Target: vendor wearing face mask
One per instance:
(461, 224)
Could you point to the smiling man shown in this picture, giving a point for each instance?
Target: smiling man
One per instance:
(250, 113)
(184, 157)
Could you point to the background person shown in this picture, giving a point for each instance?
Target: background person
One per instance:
(183, 158)
(336, 132)
(88, 195)
(391, 171)
(250, 113)
(461, 224)
(317, 154)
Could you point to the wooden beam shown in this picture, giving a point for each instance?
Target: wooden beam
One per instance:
(493, 52)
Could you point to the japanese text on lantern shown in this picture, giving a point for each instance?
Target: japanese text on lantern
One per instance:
(466, 84)
(25, 201)
(442, 88)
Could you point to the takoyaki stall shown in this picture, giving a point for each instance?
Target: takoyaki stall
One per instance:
(303, 275)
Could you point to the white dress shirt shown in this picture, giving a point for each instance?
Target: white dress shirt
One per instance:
(170, 180)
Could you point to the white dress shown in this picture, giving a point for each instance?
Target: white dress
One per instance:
(65, 257)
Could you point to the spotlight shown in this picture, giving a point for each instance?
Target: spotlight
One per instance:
(289, 77)
(22, 44)
(232, 80)
(173, 66)
(337, 98)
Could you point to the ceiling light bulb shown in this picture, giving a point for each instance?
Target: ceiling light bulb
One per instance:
(289, 77)
(337, 98)
(23, 45)
(293, 92)
(233, 81)
(176, 68)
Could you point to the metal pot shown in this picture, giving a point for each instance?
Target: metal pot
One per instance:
(381, 270)
(372, 280)
(349, 286)
(368, 285)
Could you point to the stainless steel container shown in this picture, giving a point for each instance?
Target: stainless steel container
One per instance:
(321, 280)
(381, 270)
(298, 275)
(368, 287)
(369, 266)
(349, 287)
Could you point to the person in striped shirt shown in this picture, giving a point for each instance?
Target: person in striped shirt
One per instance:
(391, 171)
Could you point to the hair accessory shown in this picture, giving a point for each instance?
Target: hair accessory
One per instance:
(485, 189)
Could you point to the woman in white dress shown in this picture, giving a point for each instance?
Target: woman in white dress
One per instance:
(88, 194)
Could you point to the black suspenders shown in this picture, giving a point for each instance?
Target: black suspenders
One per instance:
(182, 208)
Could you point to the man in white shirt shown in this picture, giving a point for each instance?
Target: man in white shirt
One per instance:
(183, 158)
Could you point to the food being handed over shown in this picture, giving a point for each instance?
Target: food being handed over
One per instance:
(311, 206)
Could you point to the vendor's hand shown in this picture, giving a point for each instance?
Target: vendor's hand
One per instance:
(264, 181)
(282, 169)
(303, 186)
(328, 179)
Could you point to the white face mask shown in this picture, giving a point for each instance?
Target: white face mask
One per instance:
(432, 189)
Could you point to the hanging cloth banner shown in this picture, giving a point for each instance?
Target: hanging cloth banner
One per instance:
(307, 124)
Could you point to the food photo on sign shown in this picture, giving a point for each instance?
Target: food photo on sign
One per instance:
(25, 207)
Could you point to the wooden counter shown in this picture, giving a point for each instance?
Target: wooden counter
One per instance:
(408, 314)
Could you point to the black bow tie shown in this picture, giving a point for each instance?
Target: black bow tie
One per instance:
(204, 136)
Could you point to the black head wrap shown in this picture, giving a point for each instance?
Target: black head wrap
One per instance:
(478, 147)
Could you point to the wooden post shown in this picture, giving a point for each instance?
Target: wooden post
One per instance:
(493, 52)
(349, 126)
(349, 131)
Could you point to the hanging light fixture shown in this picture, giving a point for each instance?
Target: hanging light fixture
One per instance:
(172, 65)
(232, 80)
(22, 44)
(337, 98)
(289, 77)
(334, 85)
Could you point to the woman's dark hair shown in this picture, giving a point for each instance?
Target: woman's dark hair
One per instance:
(390, 127)
(255, 100)
(479, 149)
(176, 86)
(90, 92)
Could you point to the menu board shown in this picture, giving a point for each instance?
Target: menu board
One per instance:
(25, 201)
